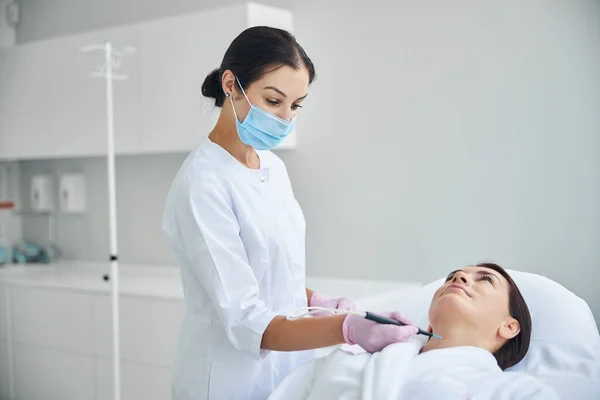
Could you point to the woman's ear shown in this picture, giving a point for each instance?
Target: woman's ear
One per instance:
(228, 83)
(509, 328)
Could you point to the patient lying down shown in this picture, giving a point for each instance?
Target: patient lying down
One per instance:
(485, 327)
(482, 307)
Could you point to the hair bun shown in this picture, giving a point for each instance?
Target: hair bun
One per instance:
(212, 87)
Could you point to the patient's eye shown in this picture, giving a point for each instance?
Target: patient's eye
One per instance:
(488, 278)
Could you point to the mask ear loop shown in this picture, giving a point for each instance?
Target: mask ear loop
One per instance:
(231, 99)
(247, 99)
(232, 106)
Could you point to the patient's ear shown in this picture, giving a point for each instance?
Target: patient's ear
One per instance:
(509, 328)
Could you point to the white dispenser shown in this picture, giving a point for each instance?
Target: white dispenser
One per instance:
(72, 193)
(42, 193)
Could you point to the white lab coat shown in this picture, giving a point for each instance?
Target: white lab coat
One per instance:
(238, 235)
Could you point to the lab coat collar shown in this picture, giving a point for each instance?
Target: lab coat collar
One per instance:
(228, 159)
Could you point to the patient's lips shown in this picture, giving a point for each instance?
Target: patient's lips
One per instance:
(456, 286)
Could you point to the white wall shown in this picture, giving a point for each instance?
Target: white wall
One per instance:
(142, 183)
(437, 134)
(447, 132)
(7, 32)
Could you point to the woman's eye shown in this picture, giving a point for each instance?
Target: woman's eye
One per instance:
(272, 102)
(296, 106)
(488, 278)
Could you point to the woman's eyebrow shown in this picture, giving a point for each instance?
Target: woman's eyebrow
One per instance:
(275, 89)
(283, 94)
(482, 272)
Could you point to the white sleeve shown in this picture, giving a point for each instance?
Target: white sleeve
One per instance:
(210, 233)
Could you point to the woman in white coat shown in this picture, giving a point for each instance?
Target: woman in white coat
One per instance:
(238, 235)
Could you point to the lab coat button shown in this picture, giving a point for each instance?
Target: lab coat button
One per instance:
(262, 179)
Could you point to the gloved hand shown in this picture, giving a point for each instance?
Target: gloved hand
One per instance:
(373, 336)
(340, 303)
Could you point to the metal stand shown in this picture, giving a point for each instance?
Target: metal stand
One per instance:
(112, 62)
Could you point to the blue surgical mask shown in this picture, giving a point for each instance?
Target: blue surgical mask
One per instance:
(261, 129)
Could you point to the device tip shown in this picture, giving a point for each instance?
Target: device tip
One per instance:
(436, 336)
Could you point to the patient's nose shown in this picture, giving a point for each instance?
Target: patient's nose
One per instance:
(459, 278)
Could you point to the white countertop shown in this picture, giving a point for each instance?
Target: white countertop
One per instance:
(165, 281)
(156, 281)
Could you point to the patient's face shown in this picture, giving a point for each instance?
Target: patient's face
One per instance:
(478, 298)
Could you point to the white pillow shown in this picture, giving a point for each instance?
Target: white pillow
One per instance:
(564, 337)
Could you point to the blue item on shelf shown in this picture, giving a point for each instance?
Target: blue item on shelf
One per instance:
(26, 252)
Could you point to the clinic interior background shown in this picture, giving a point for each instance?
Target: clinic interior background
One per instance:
(438, 133)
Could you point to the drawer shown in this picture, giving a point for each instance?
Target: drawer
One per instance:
(52, 318)
(149, 328)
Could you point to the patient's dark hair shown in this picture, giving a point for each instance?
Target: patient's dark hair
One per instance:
(514, 349)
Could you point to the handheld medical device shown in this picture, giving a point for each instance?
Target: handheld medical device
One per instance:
(307, 311)
(384, 320)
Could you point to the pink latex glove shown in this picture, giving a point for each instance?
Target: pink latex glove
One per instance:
(373, 336)
(340, 303)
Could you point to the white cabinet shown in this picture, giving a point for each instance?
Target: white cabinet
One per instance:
(149, 329)
(24, 111)
(62, 344)
(138, 381)
(74, 99)
(176, 55)
(51, 107)
(4, 323)
(4, 371)
(52, 318)
(5, 345)
(52, 335)
(78, 123)
(51, 374)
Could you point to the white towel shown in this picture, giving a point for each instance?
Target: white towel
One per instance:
(458, 373)
(400, 372)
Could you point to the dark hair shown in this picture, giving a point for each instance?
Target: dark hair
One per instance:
(514, 349)
(253, 53)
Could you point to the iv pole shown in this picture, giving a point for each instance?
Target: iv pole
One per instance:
(112, 62)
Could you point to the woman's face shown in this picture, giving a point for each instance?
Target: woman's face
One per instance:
(478, 297)
(279, 92)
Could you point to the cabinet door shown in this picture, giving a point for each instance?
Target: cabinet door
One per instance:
(7, 71)
(52, 318)
(24, 104)
(52, 343)
(51, 374)
(138, 381)
(4, 323)
(79, 123)
(51, 106)
(149, 329)
(4, 370)
(176, 55)
(5, 356)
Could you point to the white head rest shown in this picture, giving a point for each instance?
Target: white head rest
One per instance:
(564, 337)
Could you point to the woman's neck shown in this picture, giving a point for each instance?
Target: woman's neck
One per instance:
(225, 135)
(454, 336)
